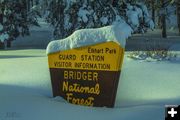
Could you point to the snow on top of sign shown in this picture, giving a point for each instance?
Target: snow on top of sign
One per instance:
(117, 32)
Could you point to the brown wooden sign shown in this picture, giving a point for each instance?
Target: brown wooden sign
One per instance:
(88, 75)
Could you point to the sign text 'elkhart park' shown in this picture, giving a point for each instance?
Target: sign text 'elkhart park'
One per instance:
(87, 75)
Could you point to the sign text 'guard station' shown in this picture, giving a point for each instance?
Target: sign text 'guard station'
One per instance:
(87, 74)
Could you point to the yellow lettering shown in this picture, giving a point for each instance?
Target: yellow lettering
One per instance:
(84, 76)
(66, 75)
(78, 75)
(71, 75)
(65, 86)
(80, 89)
(90, 75)
(97, 89)
(95, 76)
(69, 96)
(80, 101)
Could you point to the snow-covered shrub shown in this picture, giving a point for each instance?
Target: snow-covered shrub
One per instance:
(158, 55)
(153, 52)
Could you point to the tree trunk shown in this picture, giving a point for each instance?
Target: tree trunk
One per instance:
(28, 7)
(164, 32)
(178, 15)
(114, 3)
(8, 43)
(1, 18)
(2, 45)
(163, 20)
(37, 2)
(153, 11)
(1, 15)
(1, 22)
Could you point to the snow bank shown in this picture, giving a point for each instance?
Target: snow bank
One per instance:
(117, 32)
(25, 93)
(143, 83)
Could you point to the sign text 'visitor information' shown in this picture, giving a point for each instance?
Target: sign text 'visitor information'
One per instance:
(87, 75)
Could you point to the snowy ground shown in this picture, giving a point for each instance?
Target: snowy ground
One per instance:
(25, 90)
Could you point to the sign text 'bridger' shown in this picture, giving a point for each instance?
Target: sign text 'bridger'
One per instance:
(87, 75)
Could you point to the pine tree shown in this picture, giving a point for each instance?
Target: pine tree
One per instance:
(15, 20)
(68, 16)
(153, 10)
(164, 13)
(178, 15)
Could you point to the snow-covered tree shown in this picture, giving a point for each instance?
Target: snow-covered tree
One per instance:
(161, 11)
(178, 14)
(15, 20)
(164, 10)
(66, 16)
(167, 8)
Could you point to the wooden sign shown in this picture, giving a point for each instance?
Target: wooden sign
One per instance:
(88, 75)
